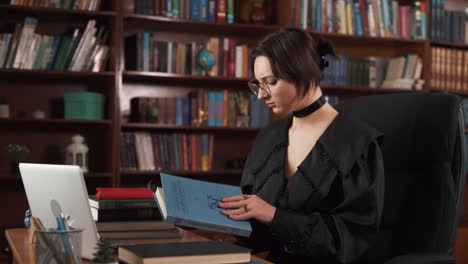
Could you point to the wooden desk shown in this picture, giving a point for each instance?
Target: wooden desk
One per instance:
(23, 252)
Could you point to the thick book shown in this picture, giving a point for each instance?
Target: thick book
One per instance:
(134, 226)
(185, 252)
(120, 203)
(155, 234)
(126, 214)
(106, 193)
(194, 203)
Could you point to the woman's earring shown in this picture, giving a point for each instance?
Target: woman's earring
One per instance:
(323, 62)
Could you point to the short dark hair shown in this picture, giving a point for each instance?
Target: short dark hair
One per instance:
(294, 56)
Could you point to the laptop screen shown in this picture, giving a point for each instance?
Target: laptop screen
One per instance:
(64, 184)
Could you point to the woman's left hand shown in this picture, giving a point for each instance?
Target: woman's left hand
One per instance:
(246, 207)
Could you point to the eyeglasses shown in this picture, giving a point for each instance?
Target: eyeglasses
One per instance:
(255, 87)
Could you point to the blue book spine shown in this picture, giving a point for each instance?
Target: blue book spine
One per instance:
(203, 10)
(185, 111)
(211, 109)
(146, 50)
(195, 10)
(53, 54)
(168, 8)
(220, 109)
(194, 203)
(179, 111)
(211, 11)
(357, 18)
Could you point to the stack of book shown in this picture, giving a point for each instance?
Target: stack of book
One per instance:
(129, 213)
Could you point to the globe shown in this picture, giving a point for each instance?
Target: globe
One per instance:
(206, 60)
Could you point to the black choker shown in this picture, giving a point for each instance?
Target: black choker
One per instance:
(311, 108)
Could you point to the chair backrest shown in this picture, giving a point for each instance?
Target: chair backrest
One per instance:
(424, 175)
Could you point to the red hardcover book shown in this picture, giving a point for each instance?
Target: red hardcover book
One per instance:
(221, 14)
(123, 193)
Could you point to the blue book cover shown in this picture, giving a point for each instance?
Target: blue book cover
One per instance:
(211, 16)
(194, 203)
(357, 18)
(195, 10)
(212, 113)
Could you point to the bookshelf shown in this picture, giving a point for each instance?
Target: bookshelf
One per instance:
(29, 89)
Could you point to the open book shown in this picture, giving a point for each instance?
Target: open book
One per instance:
(194, 203)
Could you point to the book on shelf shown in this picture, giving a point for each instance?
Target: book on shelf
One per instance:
(146, 52)
(82, 50)
(86, 5)
(374, 72)
(449, 69)
(219, 11)
(449, 21)
(375, 18)
(194, 203)
(185, 252)
(144, 151)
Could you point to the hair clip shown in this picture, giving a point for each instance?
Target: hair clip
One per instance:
(323, 62)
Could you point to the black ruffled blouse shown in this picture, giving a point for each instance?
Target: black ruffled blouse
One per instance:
(330, 210)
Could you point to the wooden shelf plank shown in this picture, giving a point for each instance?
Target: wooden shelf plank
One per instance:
(54, 121)
(180, 25)
(67, 76)
(449, 44)
(171, 78)
(367, 40)
(141, 76)
(36, 10)
(339, 90)
(135, 126)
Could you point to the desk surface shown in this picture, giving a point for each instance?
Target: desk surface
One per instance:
(23, 252)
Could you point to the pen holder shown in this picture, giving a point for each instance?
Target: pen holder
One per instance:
(57, 246)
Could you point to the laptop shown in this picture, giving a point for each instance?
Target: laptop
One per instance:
(66, 185)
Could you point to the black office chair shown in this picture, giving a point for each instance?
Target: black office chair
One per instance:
(424, 175)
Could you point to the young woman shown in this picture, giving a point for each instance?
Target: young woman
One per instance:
(313, 182)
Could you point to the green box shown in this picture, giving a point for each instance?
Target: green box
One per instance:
(84, 105)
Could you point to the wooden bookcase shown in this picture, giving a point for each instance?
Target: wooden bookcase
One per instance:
(27, 90)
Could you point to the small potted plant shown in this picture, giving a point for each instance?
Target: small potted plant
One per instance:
(105, 253)
(16, 153)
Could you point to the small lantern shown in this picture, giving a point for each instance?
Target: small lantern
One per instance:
(77, 153)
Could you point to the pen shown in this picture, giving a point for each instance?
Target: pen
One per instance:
(70, 256)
